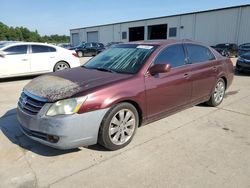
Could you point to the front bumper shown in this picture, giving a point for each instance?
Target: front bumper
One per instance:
(72, 130)
(243, 66)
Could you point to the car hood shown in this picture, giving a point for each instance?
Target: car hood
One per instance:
(65, 84)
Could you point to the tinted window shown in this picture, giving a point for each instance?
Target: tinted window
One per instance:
(94, 44)
(21, 49)
(199, 53)
(245, 46)
(174, 55)
(101, 45)
(88, 45)
(42, 49)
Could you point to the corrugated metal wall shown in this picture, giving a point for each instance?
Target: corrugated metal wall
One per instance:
(212, 27)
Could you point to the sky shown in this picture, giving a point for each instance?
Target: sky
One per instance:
(59, 16)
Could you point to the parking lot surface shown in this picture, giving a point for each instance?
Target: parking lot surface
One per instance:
(198, 147)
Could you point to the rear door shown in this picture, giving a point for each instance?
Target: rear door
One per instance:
(43, 58)
(204, 69)
(169, 91)
(16, 61)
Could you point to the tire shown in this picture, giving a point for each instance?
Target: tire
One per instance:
(225, 53)
(118, 126)
(218, 93)
(61, 65)
(80, 54)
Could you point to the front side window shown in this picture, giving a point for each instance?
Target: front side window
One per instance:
(14, 50)
(198, 53)
(123, 58)
(173, 55)
(42, 49)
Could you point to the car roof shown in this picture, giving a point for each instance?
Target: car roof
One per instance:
(165, 42)
(28, 43)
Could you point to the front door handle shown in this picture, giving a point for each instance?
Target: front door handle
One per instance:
(24, 59)
(186, 75)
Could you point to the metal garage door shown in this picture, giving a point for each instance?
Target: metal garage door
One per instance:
(75, 39)
(92, 36)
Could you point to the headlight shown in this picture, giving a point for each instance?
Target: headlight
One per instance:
(67, 106)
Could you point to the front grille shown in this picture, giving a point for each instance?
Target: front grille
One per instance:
(29, 104)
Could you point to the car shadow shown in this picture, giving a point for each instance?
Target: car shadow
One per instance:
(17, 78)
(10, 128)
(237, 73)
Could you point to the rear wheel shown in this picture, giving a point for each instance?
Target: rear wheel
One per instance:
(61, 65)
(118, 126)
(80, 54)
(218, 93)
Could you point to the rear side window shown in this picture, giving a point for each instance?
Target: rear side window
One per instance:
(198, 54)
(42, 49)
(173, 55)
(14, 50)
(88, 45)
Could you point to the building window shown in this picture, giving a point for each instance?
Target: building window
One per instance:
(172, 32)
(124, 35)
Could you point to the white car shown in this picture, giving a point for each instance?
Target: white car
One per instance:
(30, 58)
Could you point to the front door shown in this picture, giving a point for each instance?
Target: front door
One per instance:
(16, 61)
(169, 91)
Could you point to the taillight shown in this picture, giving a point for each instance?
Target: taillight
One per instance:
(75, 54)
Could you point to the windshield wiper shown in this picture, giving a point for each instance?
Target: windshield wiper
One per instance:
(105, 69)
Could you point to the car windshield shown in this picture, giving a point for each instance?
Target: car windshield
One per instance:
(123, 58)
(245, 46)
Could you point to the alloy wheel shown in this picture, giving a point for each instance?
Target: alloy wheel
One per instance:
(122, 126)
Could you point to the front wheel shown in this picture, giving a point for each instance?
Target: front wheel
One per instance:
(218, 93)
(118, 126)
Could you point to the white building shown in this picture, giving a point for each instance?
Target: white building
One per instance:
(231, 24)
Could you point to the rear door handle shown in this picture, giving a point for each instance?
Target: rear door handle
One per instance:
(24, 59)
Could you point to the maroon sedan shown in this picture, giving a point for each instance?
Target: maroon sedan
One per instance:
(128, 85)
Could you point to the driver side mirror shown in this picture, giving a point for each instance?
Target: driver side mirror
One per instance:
(159, 68)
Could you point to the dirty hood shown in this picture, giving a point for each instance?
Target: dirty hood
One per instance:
(64, 84)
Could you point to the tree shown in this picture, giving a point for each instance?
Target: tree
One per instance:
(24, 34)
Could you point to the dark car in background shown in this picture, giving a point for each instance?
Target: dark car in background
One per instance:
(126, 86)
(65, 45)
(244, 48)
(79, 46)
(243, 63)
(112, 44)
(227, 49)
(89, 49)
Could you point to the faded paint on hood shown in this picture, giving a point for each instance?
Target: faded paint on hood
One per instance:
(64, 84)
